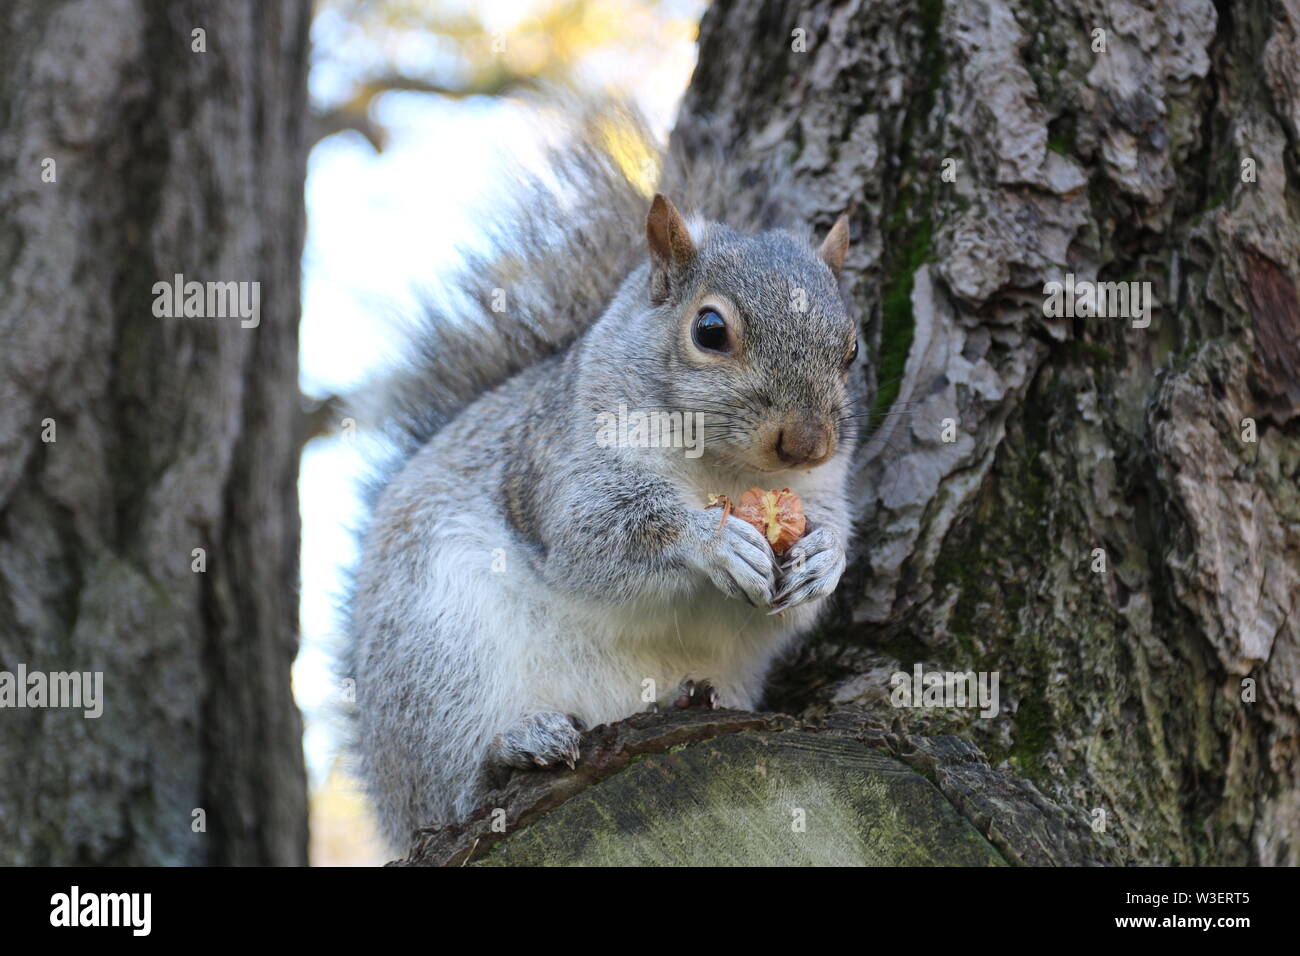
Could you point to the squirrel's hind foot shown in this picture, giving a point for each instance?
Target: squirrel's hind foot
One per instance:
(545, 739)
(693, 693)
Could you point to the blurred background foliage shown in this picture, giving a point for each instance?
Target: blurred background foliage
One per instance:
(364, 49)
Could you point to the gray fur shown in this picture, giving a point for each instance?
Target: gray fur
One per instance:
(515, 572)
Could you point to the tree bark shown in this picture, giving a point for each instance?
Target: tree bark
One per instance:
(170, 434)
(1163, 691)
(701, 787)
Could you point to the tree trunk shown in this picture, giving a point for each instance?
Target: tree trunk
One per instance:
(1162, 690)
(128, 439)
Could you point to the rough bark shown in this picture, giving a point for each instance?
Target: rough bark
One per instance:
(1124, 691)
(171, 433)
(707, 788)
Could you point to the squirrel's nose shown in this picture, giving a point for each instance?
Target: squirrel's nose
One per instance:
(803, 443)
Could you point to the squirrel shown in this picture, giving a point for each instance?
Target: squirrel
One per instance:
(520, 578)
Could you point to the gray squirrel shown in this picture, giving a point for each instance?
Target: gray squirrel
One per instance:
(521, 576)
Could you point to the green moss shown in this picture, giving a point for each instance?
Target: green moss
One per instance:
(908, 229)
(706, 806)
(1092, 354)
(1061, 135)
(897, 323)
(904, 648)
(986, 620)
(956, 566)
(1012, 511)
(1033, 733)
(931, 20)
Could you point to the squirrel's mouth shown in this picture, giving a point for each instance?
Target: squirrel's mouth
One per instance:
(802, 466)
(791, 443)
(767, 460)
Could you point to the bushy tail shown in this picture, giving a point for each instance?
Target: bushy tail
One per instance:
(560, 247)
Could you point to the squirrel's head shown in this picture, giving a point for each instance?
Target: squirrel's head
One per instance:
(756, 336)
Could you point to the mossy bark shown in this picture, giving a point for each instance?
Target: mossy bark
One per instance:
(169, 434)
(756, 799)
(712, 788)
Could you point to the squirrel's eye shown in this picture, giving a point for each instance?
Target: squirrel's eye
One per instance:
(853, 354)
(710, 332)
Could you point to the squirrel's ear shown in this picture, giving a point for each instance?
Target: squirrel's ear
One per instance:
(836, 244)
(670, 242)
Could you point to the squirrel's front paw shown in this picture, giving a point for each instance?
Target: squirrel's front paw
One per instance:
(739, 561)
(811, 570)
(544, 739)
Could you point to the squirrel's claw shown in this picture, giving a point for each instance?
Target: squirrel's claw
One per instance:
(692, 693)
(813, 571)
(545, 739)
